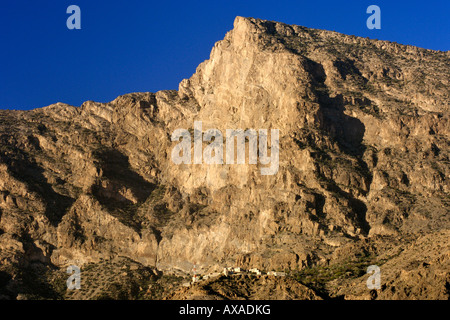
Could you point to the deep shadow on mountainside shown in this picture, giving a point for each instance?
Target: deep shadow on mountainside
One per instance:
(363, 179)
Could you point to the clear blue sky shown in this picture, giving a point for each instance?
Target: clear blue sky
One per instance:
(130, 46)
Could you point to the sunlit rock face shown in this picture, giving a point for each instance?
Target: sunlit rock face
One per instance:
(363, 159)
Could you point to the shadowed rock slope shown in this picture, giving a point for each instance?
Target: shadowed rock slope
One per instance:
(363, 175)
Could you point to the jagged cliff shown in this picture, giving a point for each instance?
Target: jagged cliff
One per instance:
(363, 166)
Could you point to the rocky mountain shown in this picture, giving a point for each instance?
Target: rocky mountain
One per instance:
(363, 177)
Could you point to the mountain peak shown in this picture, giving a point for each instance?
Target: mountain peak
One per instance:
(363, 139)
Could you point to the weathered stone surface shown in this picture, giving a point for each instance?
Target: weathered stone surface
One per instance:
(364, 158)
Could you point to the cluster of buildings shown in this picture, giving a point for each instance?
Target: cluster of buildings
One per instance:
(234, 271)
